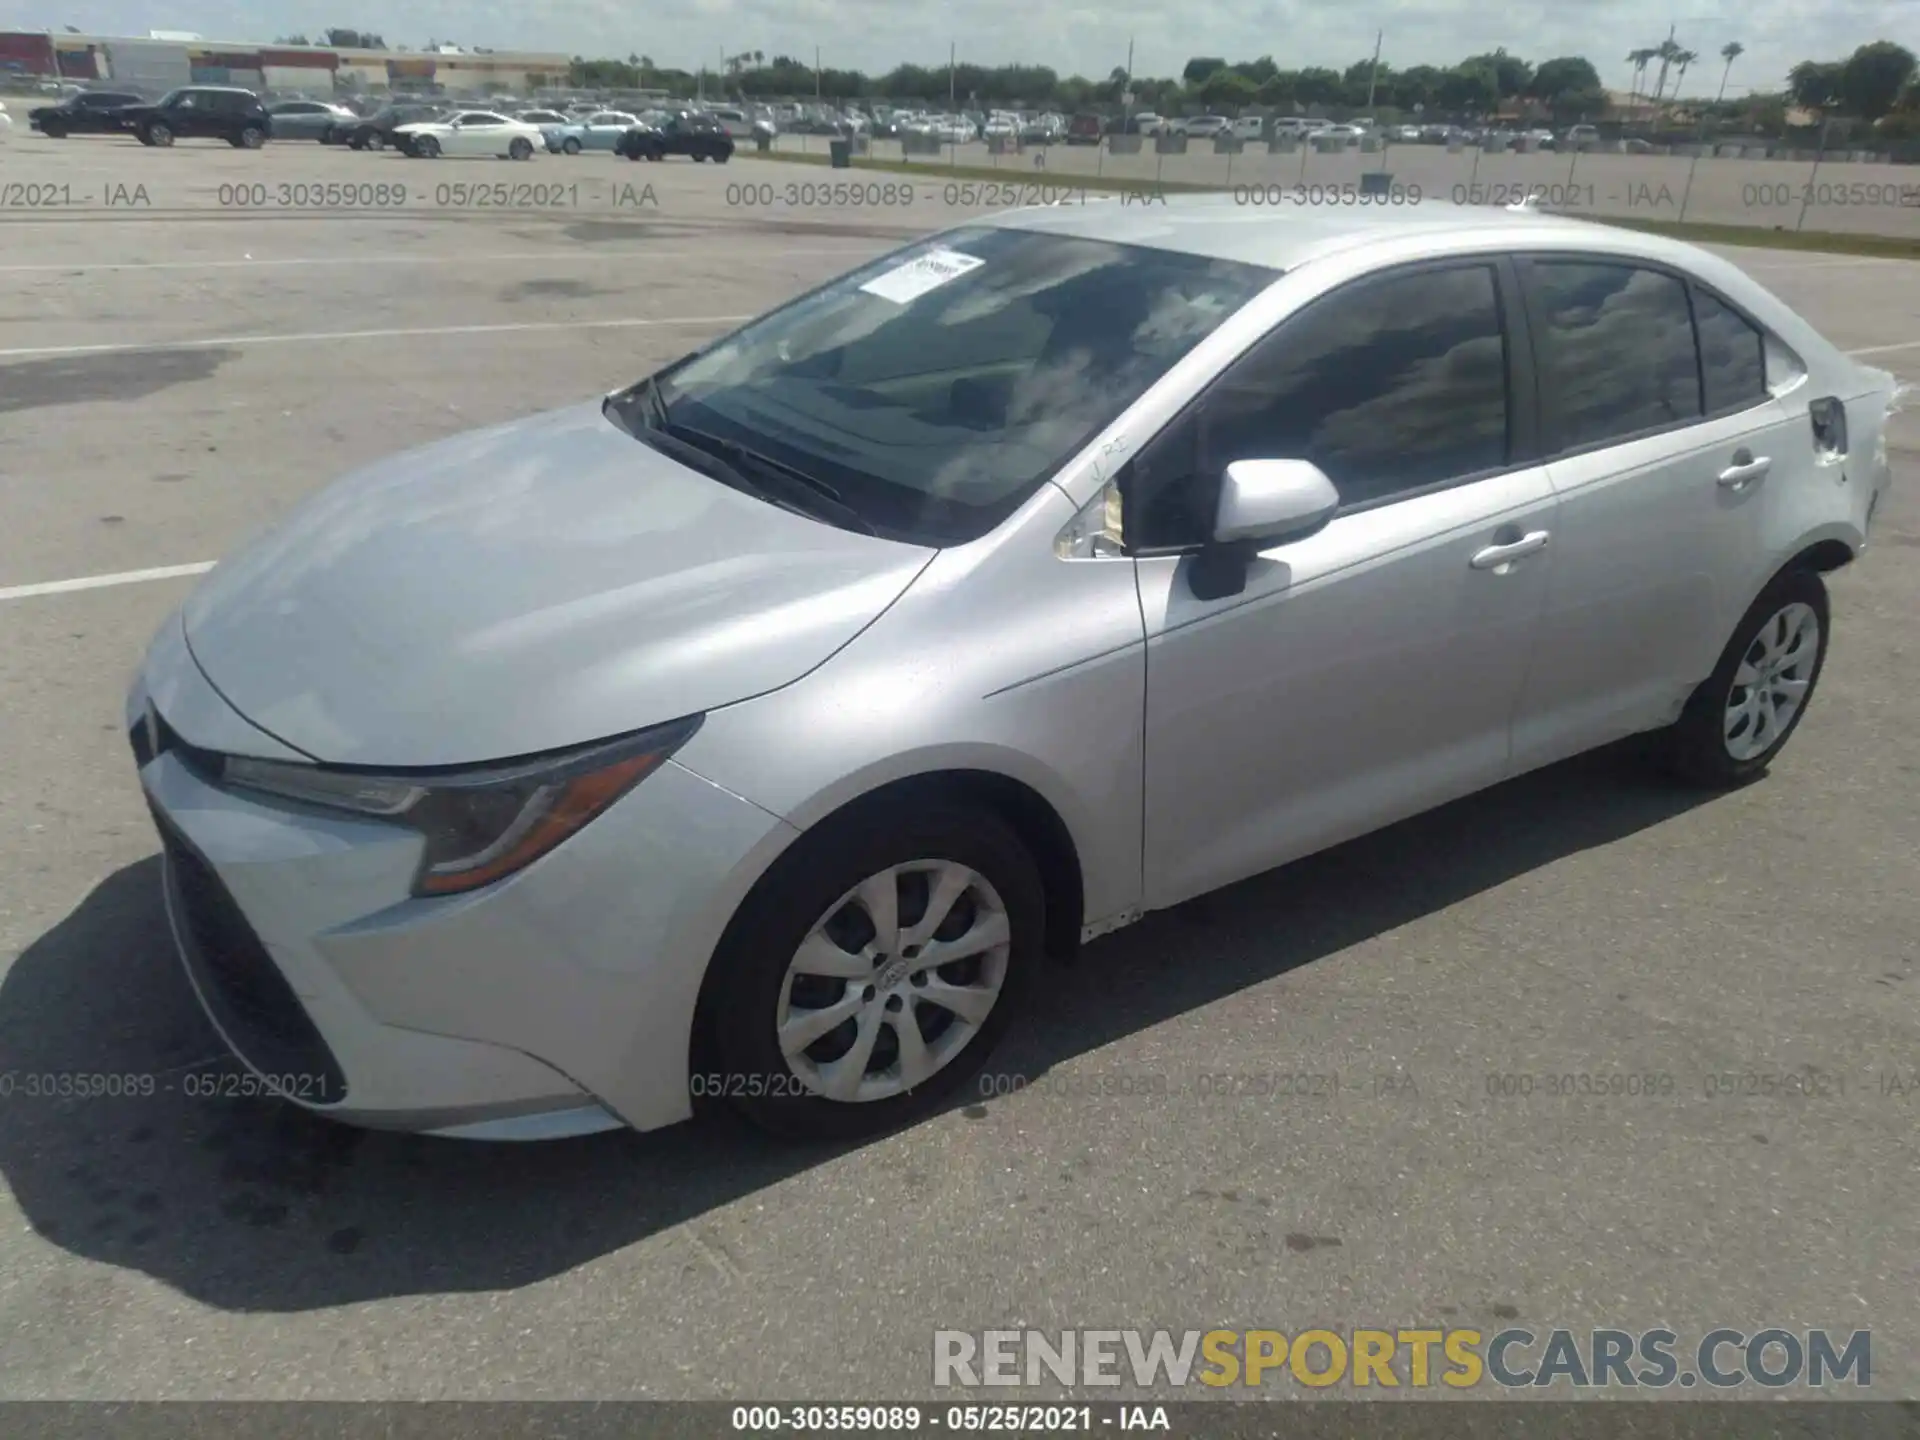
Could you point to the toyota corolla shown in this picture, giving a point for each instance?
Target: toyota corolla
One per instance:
(758, 731)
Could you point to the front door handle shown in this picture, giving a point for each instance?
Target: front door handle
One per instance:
(1495, 556)
(1744, 470)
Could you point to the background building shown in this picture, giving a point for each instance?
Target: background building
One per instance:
(145, 63)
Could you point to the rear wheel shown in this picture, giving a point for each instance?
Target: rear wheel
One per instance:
(375, 141)
(1743, 714)
(873, 969)
(251, 138)
(521, 148)
(158, 133)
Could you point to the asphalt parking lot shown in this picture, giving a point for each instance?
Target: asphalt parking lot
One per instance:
(174, 375)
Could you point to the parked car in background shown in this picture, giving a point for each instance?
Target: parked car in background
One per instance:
(88, 112)
(735, 121)
(1405, 134)
(1579, 135)
(1047, 129)
(692, 133)
(200, 112)
(1350, 134)
(543, 118)
(1540, 136)
(599, 131)
(380, 130)
(1204, 127)
(471, 133)
(306, 119)
(1001, 126)
(1146, 122)
(1085, 129)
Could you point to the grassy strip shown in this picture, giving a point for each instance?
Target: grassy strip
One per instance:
(1891, 247)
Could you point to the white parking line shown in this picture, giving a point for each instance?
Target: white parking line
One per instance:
(1886, 349)
(510, 258)
(101, 582)
(220, 342)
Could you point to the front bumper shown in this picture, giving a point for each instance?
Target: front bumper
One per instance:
(558, 1001)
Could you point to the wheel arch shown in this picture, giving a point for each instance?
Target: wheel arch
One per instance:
(1021, 807)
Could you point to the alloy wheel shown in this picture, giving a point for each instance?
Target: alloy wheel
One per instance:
(1772, 680)
(893, 981)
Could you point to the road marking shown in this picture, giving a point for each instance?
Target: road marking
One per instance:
(510, 258)
(313, 337)
(101, 582)
(1886, 349)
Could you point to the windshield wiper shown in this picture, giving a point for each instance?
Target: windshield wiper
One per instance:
(641, 411)
(818, 493)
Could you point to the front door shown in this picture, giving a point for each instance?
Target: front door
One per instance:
(1370, 670)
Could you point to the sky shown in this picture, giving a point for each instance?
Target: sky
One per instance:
(1072, 36)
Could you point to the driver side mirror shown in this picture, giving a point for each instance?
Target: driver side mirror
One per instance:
(1262, 502)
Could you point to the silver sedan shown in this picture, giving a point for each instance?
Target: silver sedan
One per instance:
(757, 733)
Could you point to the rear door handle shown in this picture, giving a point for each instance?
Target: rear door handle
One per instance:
(1494, 556)
(1744, 470)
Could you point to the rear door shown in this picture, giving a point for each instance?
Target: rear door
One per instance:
(1664, 444)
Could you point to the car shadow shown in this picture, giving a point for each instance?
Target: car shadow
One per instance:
(253, 1205)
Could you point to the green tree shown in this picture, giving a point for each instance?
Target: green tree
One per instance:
(1815, 84)
(1511, 74)
(1224, 89)
(1873, 77)
(1470, 89)
(1563, 75)
(1200, 67)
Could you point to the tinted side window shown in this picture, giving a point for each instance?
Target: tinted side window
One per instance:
(1616, 350)
(1733, 356)
(1387, 386)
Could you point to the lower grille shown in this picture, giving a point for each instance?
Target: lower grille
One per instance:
(243, 989)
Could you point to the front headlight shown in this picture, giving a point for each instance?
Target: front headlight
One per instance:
(482, 824)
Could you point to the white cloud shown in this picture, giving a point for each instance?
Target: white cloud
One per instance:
(873, 35)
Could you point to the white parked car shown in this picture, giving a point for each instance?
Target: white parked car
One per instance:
(1250, 127)
(471, 132)
(1348, 133)
(6, 121)
(1204, 127)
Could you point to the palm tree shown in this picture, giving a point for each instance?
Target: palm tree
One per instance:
(1668, 52)
(1640, 59)
(1729, 52)
(1683, 60)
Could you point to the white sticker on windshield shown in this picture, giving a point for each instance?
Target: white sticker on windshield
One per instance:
(926, 272)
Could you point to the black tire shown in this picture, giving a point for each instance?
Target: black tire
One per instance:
(425, 147)
(570, 146)
(520, 148)
(748, 975)
(1694, 748)
(375, 141)
(53, 132)
(252, 137)
(723, 157)
(155, 133)
(357, 142)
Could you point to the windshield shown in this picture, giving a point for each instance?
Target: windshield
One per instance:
(934, 390)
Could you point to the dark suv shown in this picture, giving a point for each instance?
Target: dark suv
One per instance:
(376, 131)
(210, 112)
(685, 132)
(91, 112)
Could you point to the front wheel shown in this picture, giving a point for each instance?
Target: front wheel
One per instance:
(53, 132)
(571, 147)
(156, 133)
(872, 970)
(426, 147)
(1742, 715)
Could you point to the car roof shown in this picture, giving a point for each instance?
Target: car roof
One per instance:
(1224, 227)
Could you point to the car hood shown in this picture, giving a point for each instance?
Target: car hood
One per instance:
(524, 588)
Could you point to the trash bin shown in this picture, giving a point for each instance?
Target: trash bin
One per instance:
(1376, 184)
(840, 154)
